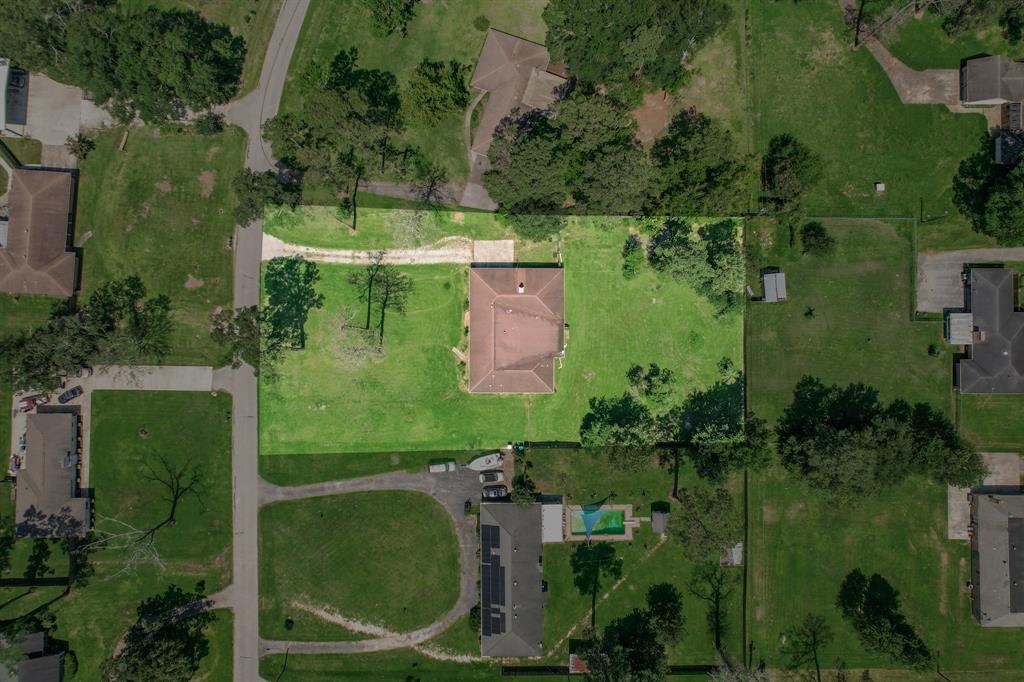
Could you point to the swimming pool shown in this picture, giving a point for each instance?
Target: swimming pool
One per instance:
(605, 522)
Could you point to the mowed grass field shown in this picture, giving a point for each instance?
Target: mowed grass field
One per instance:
(801, 549)
(847, 319)
(994, 423)
(162, 210)
(389, 559)
(922, 44)
(411, 397)
(442, 30)
(806, 80)
(252, 19)
(131, 428)
(378, 228)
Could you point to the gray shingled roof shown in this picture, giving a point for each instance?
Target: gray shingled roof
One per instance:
(47, 503)
(992, 79)
(996, 363)
(997, 550)
(519, 552)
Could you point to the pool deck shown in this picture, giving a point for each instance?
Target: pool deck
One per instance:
(630, 523)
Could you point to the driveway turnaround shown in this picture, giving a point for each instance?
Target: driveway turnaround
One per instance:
(939, 286)
(452, 490)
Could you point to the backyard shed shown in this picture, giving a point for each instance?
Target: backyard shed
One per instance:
(552, 519)
(774, 286)
(659, 521)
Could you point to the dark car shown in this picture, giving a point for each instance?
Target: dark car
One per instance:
(495, 491)
(69, 395)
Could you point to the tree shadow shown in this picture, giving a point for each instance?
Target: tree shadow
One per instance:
(591, 563)
(872, 607)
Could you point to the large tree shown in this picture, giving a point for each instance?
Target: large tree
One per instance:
(393, 289)
(710, 259)
(346, 129)
(789, 168)
(117, 324)
(244, 335)
(844, 443)
(991, 196)
(255, 191)
(803, 643)
(629, 46)
(624, 427)
(33, 33)
(705, 523)
(167, 640)
(698, 169)
(436, 89)
(153, 62)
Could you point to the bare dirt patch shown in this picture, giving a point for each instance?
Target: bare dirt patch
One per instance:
(193, 282)
(653, 116)
(795, 510)
(211, 152)
(207, 181)
(827, 49)
(164, 186)
(769, 514)
(458, 217)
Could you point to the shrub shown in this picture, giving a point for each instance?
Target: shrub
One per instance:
(632, 256)
(209, 123)
(79, 146)
(436, 89)
(481, 23)
(816, 240)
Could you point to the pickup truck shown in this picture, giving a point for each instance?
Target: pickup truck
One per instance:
(442, 467)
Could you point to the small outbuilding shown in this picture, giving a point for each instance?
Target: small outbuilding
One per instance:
(774, 284)
(48, 502)
(659, 521)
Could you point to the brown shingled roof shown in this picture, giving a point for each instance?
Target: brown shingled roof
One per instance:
(37, 258)
(513, 335)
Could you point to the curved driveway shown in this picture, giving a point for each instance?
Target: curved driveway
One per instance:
(451, 490)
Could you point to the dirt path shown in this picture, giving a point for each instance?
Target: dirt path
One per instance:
(458, 250)
(451, 490)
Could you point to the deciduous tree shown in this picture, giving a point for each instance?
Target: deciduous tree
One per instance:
(705, 523)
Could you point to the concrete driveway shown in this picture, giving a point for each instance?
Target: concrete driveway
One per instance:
(1004, 475)
(939, 286)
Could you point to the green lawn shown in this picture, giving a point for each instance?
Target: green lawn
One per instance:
(378, 228)
(384, 558)
(301, 469)
(860, 330)
(403, 664)
(162, 209)
(801, 548)
(26, 150)
(17, 314)
(806, 80)
(922, 44)
(411, 397)
(993, 422)
(442, 30)
(461, 639)
(252, 19)
(130, 429)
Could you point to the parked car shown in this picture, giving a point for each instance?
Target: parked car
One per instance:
(69, 395)
(495, 491)
(32, 402)
(442, 467)
(492, 477)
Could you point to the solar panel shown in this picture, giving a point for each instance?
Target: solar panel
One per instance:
(485, 623)
(501, 623)
(498, 586)
(498, 624)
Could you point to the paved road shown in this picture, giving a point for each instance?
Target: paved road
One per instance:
(451, 490)
(939, 286)
(251, 111)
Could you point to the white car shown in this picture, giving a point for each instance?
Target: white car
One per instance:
(492, 477)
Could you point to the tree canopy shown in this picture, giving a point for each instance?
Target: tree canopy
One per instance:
(789, 168)
(151, 62)
(629, 46)
(117, 324)
(843, 442)
(710, 260)
(436, 89)
(166, 642)
(705, 523)
(255, 191)
(991, 196)
(346, 128)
